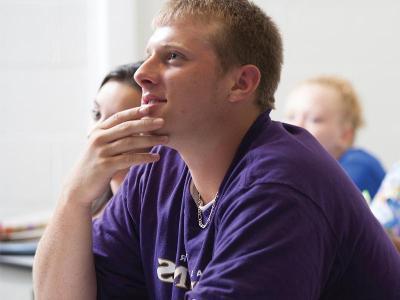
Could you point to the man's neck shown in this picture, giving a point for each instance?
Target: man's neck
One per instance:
(210, 158)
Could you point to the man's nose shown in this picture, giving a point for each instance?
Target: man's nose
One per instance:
(147, 73)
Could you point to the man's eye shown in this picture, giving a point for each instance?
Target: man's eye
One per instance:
(96, 115)
(172, 55)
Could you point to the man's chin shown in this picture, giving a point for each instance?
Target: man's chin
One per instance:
(157, 110)
(161, 131)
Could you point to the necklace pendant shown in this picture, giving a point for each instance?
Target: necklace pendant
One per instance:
(200, 213)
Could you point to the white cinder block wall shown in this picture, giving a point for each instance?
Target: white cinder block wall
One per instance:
(43, 84)
(53, 54)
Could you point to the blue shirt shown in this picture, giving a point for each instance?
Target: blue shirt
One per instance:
(364, 169)
(288, 224)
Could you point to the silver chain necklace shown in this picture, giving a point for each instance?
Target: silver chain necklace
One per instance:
(199, 203)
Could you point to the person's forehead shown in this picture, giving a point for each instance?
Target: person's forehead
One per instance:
(318, 93)
(313, 98)
(184, 33)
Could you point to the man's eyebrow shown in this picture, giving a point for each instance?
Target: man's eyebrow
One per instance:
(167, 46)
(173, 45)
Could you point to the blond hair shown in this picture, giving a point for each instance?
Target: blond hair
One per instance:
(245, 35)
(352, 111)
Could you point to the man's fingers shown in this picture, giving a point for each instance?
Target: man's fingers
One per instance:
(125, 115)
(130, 128)
(130, 159)
(132, 144)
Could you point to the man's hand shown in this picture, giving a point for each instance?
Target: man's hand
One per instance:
(115, 144)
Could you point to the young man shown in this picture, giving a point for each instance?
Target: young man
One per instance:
(236, 207)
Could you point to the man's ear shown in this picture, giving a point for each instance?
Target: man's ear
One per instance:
(246, 81)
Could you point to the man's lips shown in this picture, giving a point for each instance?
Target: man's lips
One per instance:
(152, 99)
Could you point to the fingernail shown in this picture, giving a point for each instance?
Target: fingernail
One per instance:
(144, 109)
(158, 121)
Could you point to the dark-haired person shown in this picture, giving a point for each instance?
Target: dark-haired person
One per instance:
(231, 205)
(118, 91)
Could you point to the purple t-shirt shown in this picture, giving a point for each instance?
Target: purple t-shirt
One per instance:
(288, 224)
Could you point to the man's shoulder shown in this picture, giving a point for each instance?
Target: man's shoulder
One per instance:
(289, 159)
(285, 154)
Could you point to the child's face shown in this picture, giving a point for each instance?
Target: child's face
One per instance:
(317, 108)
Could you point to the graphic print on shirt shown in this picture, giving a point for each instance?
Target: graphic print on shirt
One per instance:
(168, 271)
(195, 277)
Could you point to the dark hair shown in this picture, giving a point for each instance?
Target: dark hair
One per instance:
(124, 73)
(246, 36)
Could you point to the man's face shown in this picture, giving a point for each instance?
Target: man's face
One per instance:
(182, 80)
(317, 108)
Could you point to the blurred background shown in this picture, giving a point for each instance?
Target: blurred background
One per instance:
(54, 53)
